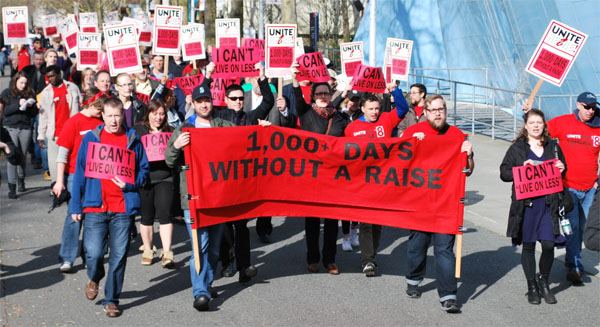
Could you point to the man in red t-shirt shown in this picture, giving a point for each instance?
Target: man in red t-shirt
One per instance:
(68, 146)
(418, 242)
(579, 137)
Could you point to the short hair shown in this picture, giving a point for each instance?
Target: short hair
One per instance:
(113, 102)
(103, 71)
(432, 97)
(53, 68)
(122, 75)
(421, 87)
(314, 86)
(370, 97)
(48, 51)
(233, 87)
(39, 53)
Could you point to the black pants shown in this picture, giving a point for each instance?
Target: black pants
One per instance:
(546, 259)
(264, 226)
(236, 237)
(312, 227)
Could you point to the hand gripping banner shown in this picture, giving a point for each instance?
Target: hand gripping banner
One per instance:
(253, 171)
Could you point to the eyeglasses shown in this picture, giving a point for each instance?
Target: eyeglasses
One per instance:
(236, 98)
(436, 110)
(128, 85)
(588, 107)
(322, 94)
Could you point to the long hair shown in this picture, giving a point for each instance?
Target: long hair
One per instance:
(523, 133)
(84, 86)
(153, 106)
(27, 92)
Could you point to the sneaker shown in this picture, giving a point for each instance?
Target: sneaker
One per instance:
(354, 237)
(369, 269)
(91, 290)
(66, 267)
(574, 277)
(413, 291)
(112, 310)
(346, 245)
(47, 176)
(450, 306)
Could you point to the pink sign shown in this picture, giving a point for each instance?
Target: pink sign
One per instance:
(281, 57)
(227, 42)
(399, 66)
(123, 58)
(188, 83)
(16, 30)
(217, 90)
(350, 67)
(532, 181)
(257, 44)
(145, 36)
(89, 57)
(106, 161)
(551, 64)
(167, 38)
(235, 62)
(155, 145)
(194, 49)
(52, 30)
(71, 40)
(368, 79)
(88, 29)
(312, 68)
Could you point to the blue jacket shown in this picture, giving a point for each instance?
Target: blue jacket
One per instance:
(87, 192)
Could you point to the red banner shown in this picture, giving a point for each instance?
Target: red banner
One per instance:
(368, 79)
(532, 181)
(398, 182)
(188, 83)
(312, 68)
(170, 82)
(235, 62)
(257, 44)
(217, 90)
(145, 98)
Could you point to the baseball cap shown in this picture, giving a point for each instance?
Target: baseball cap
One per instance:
(587, 98)
(200, 91)
(332, 73)
(354, 94)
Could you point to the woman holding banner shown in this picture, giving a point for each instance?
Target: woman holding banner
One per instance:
(537, 218)
(157, 193)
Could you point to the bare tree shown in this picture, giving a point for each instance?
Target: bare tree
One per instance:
(289, 12)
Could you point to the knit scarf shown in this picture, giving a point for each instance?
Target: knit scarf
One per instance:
(326, 112)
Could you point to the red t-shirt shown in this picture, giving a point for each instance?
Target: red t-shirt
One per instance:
(72, 133)
(580, 144)
(24, 59)
(425, 128)
(61, 108)
(418, 111)
(112, 196)
(383, 127)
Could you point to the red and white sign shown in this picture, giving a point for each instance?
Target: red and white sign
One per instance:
(122, 48)
(352, 55)
(192, 42)
(257, 45)
(107, 161)
(400, 52)
(50, 25)
(88, 50)
(155, 145)
(68, 30)
(188, 83)
(167, 22)
(227, 32)
(112, 18)
(312, 68)
(280, 44)
(136, 22)
(368, 79)
(88, 22)
(532, 181)
(299, 49)
(556, 52)
(15, 25)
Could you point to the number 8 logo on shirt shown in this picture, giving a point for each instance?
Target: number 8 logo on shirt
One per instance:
(379, 131)
(595, 141)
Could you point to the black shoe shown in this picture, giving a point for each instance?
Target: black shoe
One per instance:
(545, 290)
(413, 291)
(533, 292)
(12, 191)
(450, 306)
(228, 271)
(201, 303)
(247, 273)
(21, 184)
(213, 292)
(264, 238)
(574, 276)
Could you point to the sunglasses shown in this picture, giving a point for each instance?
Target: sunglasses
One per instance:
(588, 107)
(236, 98)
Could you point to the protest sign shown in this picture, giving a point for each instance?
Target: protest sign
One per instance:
(299, 48)
(122, 49)
(257, 44)
(141, 15)
(155, 145)
(167, 22)
(402, 182)
(145, 38)
(49, 24)
(235, 62)
(537, 180)
(188, 83)
(400, 52)
(88, 22)
(368, 79)
(227, 32)
(351, 56)
(88, 50)
(112, 18)
(192, 42)
(170, 82)
(312, 68)
(556, 52)
(106, 161)
(68, 30)
(136, 22)
(217, 90)
(279, 55)
(15, 25)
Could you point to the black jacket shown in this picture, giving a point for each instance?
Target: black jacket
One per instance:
(311, 121)
(38, 83)
(342, 120)
(15, 118)
(515, 156)
(241, 118)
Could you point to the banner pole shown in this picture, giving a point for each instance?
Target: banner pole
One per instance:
(196, 250)
(279, 87)
(166, 66)
(534, 92)
(458, 255)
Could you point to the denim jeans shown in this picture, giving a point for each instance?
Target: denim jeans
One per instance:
(95, 234)
(210, 243)
(69, 246)
(3, 60)
(443, 250)
(582, 201)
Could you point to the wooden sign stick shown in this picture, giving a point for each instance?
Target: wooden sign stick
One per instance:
(534, 92)
(166, 66)
(196, 251)
(279, 87)
(458, 255)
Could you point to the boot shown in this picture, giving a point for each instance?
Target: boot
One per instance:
(12, 191)
(545, 290)
(533, 294)
(22, 185)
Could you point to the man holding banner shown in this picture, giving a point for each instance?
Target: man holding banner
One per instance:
(418, 242)
(111, 166)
